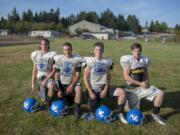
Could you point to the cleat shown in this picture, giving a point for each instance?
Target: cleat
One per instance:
(158, 119)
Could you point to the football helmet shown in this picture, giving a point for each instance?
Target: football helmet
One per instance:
(57, 108)
(135, 117)
(102, 113)
(30, 105)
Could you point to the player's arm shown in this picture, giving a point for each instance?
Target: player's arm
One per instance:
(74, 80)
(50, 75)
(127, 77)
(106, 87)
(77, 77)
(86, 77)
(146, 75)
(34, 73)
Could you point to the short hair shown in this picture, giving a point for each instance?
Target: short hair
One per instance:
(99, 44)
(45, 40)
(67, 44)
(136, 46)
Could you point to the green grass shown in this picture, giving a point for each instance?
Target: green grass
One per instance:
(15, 86)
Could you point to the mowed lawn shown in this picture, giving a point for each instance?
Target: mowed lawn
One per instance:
(15, 86)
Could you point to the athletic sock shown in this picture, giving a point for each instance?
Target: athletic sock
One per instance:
(156, 110)
(120, 108)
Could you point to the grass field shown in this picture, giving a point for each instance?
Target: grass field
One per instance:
(15, 86)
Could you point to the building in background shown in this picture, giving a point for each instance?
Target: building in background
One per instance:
(97, 30)
(44, 33)
(4, 32)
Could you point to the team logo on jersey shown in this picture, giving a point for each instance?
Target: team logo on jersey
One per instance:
(42, 65)
(100, 69)
(67, 69)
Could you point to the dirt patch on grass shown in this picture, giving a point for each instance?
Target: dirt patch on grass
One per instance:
(13, 57)
(6, 43)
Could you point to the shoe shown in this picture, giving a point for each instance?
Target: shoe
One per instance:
(88, 116)
(122, 118)
(158, 119)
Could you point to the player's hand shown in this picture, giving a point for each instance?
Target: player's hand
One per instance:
(147, 84)
(33, 87)
(92, 95)
(144, 85)
(103, 94)
(60, 94)
(69, 89)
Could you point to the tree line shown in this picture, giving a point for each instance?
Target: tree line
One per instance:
(54, 21)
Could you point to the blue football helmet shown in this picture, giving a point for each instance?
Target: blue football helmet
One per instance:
(57, 108)
(135, 117)
(30, 105)
(102, 113)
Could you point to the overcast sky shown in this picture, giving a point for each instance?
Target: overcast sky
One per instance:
(145, 10)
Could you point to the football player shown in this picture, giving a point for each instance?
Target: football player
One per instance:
(42, 67)
(97, 80)
(135, 73)
(67, 72)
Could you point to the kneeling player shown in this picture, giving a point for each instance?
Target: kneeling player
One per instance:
(42, 66)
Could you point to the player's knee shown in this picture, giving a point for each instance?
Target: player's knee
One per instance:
(51, 90)
(161, 93)
(121, 93)
(78, 90)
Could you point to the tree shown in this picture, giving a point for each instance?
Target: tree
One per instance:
(19, 26)
(57, 16)
(133, 24)
(177, 28)
(36, 18)
(59, 27)
(92, 17)
(163, 27)
(14, 16)
(108, 19)
(122, 25)
(151, 26)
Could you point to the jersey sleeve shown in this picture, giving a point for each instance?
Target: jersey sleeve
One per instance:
(78, 62)
(124, 61)
(53, 54)
(56, 62)
(33, 56)
(87, 61)
(147, 61)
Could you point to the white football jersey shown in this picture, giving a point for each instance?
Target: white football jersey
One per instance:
(137, 67)
(99, 70)
(43, 62)
(67, 67)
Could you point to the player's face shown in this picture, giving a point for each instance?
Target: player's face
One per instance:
(67, 50)
(136, 53)
(98, 51)
(44, 46)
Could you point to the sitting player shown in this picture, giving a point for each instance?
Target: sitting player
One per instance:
(67, 71)
(97, 80)
(136, 74)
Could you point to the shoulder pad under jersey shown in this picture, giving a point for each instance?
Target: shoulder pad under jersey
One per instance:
(125, 60)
